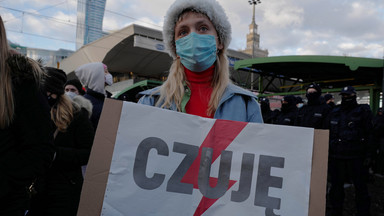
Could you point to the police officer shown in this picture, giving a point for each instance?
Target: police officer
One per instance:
(350, 150)
(315, 112)
(330, 100)
(288, 113)
(378, 128)
(268, 114)
(299, 102)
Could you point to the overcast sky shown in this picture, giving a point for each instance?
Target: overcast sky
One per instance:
(286, 27)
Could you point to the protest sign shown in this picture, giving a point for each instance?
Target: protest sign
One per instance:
(150, 161)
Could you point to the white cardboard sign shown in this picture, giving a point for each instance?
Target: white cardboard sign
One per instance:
(170, 163)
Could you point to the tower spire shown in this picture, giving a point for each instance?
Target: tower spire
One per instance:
(253, 15)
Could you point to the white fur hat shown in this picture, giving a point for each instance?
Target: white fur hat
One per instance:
(211, 8)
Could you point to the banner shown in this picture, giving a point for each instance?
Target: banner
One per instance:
(169, 163)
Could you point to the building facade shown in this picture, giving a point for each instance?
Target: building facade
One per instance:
(90, 15)
(49, 58)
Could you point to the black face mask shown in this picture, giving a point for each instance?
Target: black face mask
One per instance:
(312, 97)
(285, 107)
(331, 104)
(349, 101)
(51, 101)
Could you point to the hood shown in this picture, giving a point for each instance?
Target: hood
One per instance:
(92, 76)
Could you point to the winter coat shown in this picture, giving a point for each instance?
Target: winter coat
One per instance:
(378, 129)
(313, 115)
(236, 104)
(288, 116)
(26, 146)
(269, 116)
(351, 132)
(58, 193)
(97, 100)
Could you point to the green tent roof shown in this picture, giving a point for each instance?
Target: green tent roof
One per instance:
(354, 70)
(130, 92)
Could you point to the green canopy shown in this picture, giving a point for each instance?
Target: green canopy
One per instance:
(336, 70)
(129, 93)
(290, 74)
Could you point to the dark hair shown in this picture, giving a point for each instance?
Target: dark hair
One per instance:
(77, 84)
(55, 80)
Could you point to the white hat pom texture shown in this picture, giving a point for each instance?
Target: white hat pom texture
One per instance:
(211, 8)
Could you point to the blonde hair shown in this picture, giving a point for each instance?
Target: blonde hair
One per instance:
(7, 104)
(172, 91)
(62, 114)
(6, 95)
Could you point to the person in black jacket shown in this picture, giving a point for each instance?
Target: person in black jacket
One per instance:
(58, 192)
(350, 151)
(315, 112)
(288, 113)
(268, 115)
(299, 102)
(330, 100)
(26, 142)
(378, 123)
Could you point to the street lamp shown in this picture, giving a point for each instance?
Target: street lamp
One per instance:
(253, 3)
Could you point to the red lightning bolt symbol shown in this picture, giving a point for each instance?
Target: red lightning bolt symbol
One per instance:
(220, 136)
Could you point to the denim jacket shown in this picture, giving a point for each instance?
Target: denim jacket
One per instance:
(236, 104)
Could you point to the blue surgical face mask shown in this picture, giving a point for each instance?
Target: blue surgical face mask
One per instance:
(71, 94)
(108, 79)
(300, 105)
(197, 52)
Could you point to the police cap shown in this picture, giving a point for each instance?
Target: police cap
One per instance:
(348, 90)
(315, 86)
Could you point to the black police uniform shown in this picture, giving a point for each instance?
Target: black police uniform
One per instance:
(288, 113)
(268, 115)
(378, 124)
(350, 145)
(313, 116)
(315, 112)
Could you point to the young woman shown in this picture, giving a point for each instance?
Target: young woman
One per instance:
(26, 149)
(58, 192)
(197, 35)
(74, 85)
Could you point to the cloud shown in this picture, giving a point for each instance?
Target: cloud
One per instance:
(311, 23)
(111, 24)
(282, 15)
(145, 13)
(286, 27)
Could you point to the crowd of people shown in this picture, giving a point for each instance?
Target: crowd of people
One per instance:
(355, 141)
(48, 123)
(47, 128)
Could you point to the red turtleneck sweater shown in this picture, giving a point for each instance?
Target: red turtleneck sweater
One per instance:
(201, 90)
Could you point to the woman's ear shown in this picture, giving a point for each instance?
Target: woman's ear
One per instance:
(220, 46)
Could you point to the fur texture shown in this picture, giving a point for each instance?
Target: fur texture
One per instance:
(211, 8)
(83, 102)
